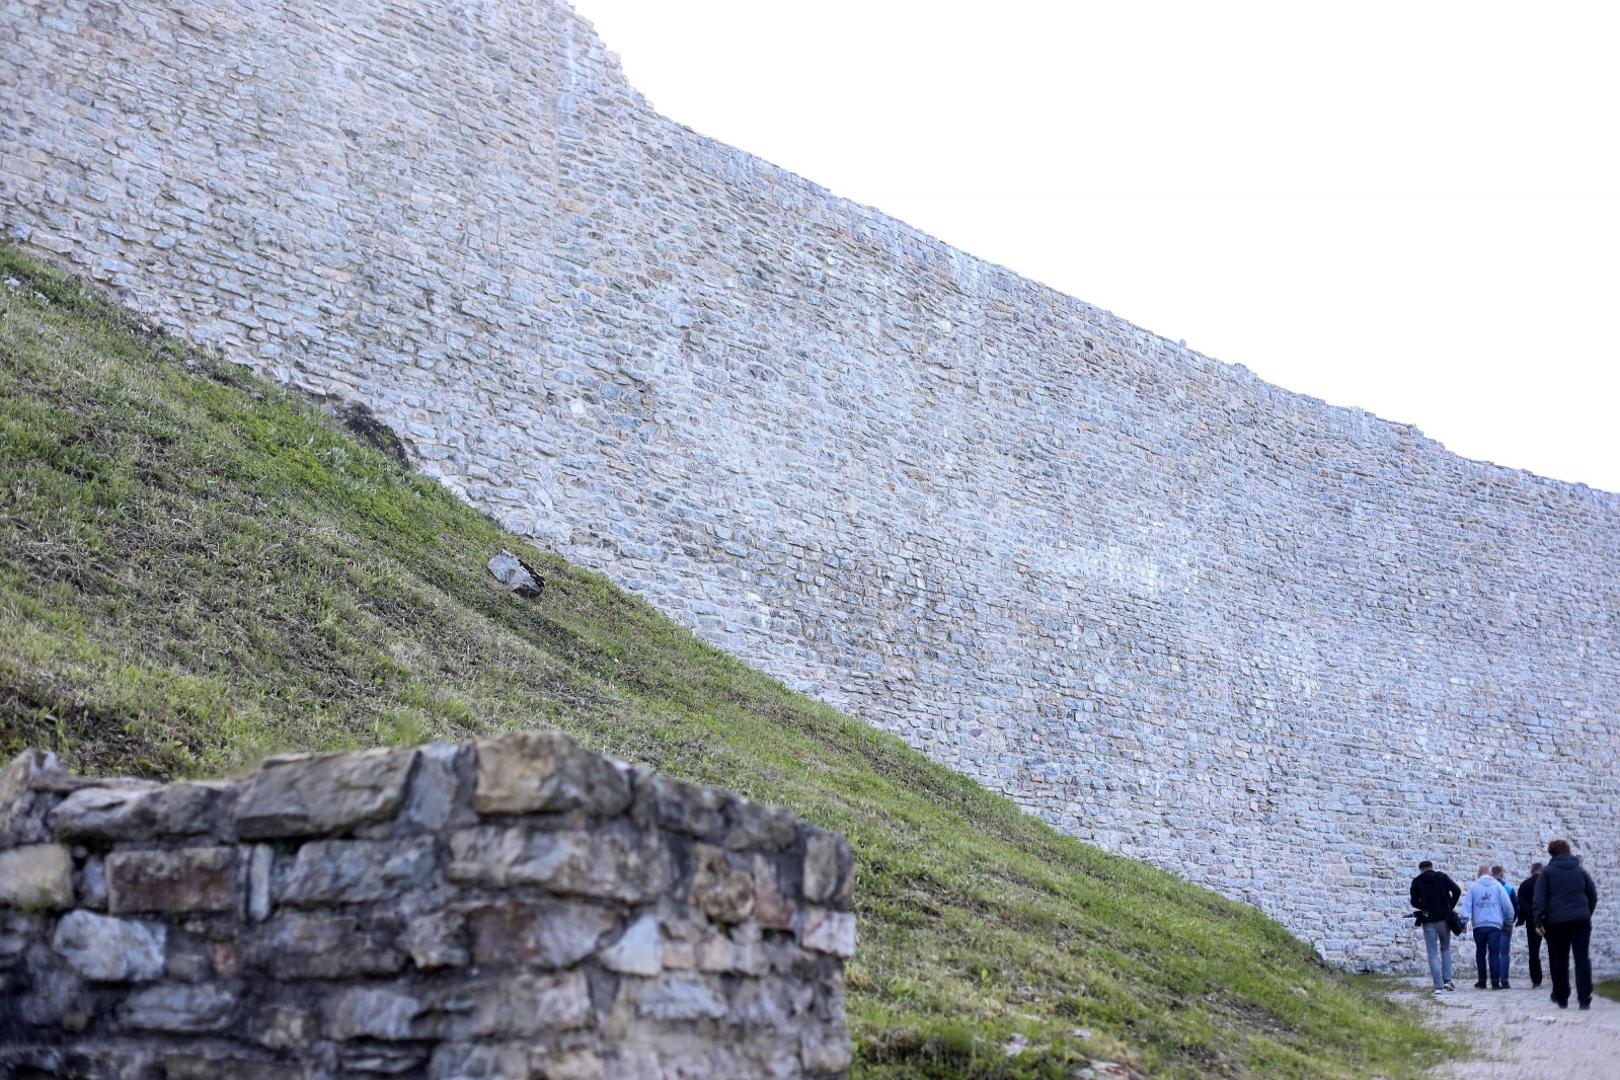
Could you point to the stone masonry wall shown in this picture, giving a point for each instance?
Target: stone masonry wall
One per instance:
(1281, 648)
(507, 908)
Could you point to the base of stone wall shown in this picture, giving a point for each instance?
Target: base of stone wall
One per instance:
(510, 907)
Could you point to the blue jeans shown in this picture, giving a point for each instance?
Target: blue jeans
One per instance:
(1437, 939)
(1491, 953)
(1502, 953)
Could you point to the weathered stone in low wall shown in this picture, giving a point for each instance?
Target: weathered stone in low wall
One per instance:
(513, 907)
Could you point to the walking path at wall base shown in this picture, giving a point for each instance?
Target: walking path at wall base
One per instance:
(1521, 1035)
(512, 907)
(1278, 647)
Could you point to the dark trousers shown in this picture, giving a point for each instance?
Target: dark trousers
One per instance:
(1562, 937)
(1490, 954)
(1532, 941)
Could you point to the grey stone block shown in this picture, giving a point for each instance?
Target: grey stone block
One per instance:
(36, 875)
(309, 794)
(102, 949)
(181, 880)
(545, 772)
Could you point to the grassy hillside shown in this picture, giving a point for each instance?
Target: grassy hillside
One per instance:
(197, 568)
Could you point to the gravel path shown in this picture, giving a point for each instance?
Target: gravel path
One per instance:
(1524, 1036)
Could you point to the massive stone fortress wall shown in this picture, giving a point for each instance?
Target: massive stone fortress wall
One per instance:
(1279, 647)
(513, 907)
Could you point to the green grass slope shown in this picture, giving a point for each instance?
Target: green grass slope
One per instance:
(197, 568)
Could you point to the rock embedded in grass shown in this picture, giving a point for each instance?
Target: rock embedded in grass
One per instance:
(518, 576)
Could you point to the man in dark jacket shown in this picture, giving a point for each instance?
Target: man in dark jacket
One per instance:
(1566, 896)
(1434, 894)
(1532, 936)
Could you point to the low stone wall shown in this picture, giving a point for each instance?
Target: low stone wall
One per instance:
(510, 907)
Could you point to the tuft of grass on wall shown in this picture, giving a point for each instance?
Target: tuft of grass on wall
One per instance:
(198, 568)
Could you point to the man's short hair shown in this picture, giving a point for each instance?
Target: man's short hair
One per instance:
(1425, 865)
(1484, 871)
(1558, 847)
(1534, 867)
(1497, 871)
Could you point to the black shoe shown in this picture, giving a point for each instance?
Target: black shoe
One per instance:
(1535, 985)
(1496, 986)
(1479, 986)
(1505, 986)
(1561, 1004)
(1586, 1005)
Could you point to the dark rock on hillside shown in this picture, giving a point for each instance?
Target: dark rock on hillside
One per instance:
(365, 425)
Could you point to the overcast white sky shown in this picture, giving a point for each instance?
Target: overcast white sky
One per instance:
(1410, 207)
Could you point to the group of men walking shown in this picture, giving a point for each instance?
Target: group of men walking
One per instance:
(1554, 903)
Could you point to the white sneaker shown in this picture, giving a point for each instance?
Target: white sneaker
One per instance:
(1439, 993)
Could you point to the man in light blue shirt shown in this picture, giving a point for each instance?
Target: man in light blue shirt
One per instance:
(1500, 874)
(1487, 905)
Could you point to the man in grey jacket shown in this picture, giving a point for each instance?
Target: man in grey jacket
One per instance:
(1566, 896)
(1487, 905)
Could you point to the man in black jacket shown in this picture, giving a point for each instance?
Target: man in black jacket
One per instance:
(1532, 936)
(1566, 896)
(1434, 894)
